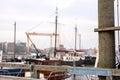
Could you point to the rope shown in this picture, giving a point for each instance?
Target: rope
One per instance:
(34, 27)
(20, 72)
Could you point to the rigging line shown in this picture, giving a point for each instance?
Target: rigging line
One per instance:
(48, 17)
(40, 23)
(36, 26)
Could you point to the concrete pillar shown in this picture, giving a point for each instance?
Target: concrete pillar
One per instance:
(106, 39)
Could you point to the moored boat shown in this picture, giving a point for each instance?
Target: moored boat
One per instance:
(78, 56)
(48, 74)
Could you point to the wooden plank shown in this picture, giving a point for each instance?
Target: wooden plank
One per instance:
(115, 72)
(50, 67)
(91, 71)
(107, 29)
(14, 65)
(2, 77)
(36, 67)
(94, 71)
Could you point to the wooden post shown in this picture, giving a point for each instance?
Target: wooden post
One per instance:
(106, 38)
(36, 74)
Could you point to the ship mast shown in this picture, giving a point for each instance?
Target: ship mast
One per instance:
(14, 40)
(75, 36)
(56, 25)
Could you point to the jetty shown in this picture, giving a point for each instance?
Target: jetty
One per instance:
(72, 70)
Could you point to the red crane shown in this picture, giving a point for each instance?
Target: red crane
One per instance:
(40, 34)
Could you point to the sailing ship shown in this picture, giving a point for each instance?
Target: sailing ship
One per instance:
(44, 60)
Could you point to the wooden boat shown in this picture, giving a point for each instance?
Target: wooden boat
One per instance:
(49, 74)
(13, 72)
(68, 56)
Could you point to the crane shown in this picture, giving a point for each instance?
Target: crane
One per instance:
(28, 37)
(40, 34)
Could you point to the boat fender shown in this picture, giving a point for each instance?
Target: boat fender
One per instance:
(31, 70)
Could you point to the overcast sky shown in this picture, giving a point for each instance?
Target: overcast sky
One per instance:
(39, 16)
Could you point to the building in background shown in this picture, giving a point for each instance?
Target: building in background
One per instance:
(8, 47)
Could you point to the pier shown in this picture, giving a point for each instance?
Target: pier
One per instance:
(72, 70)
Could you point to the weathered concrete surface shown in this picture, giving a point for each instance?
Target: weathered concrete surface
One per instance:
(106, 38)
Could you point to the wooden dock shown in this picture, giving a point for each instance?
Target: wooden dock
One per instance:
(72, 70)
